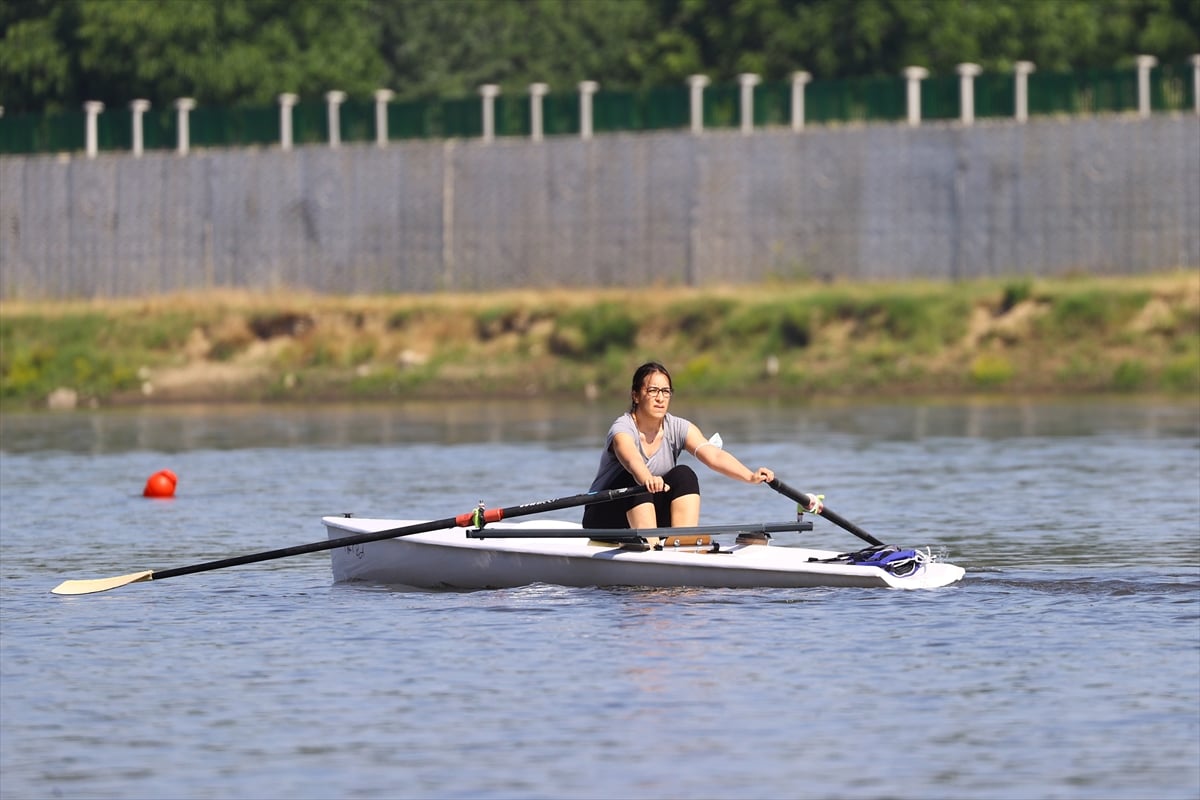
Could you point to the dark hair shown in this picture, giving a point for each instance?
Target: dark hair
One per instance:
(639, 378)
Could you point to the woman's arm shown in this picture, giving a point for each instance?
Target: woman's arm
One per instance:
(722, 461)
(626, 451)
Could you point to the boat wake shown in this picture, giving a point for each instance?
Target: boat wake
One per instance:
(1182, 584)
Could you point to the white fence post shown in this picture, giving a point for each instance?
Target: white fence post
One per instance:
(183, 134)
(536, 92)
(914, 76)
(1144, 65)
(382, 98)
(799, 80)
(966, 91)
(1021, 71)
(286, 101)
(333, 104)
(586, 90)
(138, 108)
(1195, 83)
(747, 80)
(696, 100)
(488, 92)
(92, 108)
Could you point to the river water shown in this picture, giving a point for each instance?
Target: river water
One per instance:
(1066, 664)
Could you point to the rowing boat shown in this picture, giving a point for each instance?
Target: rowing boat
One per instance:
(509, 554)
(462, 552)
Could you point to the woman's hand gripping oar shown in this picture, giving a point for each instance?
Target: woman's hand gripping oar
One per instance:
(808, 502)
(476, 518)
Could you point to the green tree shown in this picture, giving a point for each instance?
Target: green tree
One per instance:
(873, 38)
(58, 53)
(451, 47)
(37, 70)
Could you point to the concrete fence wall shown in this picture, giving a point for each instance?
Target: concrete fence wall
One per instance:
(1112, 195)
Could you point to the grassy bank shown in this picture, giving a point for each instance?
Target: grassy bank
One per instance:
(1080, 335)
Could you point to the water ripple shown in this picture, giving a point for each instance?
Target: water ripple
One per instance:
(1064, 666)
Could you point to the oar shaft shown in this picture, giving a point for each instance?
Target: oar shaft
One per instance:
(461, 521)
(632, 533)
(837, 519)
(329, 544)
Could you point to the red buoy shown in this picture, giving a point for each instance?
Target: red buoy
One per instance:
(161, 484)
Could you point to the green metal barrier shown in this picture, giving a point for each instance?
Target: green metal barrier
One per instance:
(995, 95)
(853, 100)
(1091, 92)
(1172, 88)
(939, 97)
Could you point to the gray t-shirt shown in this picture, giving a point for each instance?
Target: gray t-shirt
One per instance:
(675, 431)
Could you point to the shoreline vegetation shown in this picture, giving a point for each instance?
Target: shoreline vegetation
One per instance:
(810, 340)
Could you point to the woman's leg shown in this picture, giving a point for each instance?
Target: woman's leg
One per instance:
(643, 515)
(685, 511)
(621, 513)
(681, 506)
(677, 507)
(612, 514)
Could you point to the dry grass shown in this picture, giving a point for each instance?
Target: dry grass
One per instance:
(1081, 334)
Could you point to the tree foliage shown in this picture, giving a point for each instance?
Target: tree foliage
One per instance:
(451, 47)
(58, 53)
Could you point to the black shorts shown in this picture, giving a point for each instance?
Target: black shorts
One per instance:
(611, 514)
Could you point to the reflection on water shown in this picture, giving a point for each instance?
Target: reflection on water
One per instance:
(180, 428)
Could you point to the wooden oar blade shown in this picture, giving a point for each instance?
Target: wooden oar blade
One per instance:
(101, 584)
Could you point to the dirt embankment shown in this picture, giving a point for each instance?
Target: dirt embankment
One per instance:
(1080, 335)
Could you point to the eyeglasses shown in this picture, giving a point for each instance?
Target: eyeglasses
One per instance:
(657, 391)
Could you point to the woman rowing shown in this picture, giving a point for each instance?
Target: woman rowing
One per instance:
(643, 448)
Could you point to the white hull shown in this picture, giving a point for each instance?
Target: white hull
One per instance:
(448, 559)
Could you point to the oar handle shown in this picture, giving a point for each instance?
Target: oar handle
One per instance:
(482, 516)
(806, 501)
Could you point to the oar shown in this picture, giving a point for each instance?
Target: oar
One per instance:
(806, 501)
(477, 518)
(633, 533)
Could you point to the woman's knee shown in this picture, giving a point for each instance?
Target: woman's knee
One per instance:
(682, 480)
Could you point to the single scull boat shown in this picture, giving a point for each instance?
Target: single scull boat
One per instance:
(462, 552)
(509, 554)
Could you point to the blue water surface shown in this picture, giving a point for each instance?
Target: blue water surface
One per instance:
(1066, 665)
